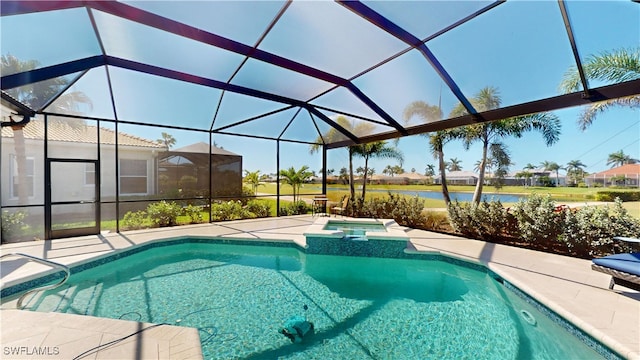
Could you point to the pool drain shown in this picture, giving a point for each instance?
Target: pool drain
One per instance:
(528, 317)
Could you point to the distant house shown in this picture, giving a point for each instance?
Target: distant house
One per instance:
(416, 178)
(535, 180)
(386, 180)
(459, 178)
(185, 171)
(625, 175)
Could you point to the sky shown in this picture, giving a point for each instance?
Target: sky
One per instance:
(612, 131)
(519, 47)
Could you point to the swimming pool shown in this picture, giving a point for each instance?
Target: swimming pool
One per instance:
(239, 296)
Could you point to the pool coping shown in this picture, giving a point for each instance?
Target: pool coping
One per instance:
(512, 284)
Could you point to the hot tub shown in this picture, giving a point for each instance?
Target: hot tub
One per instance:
(356, 237)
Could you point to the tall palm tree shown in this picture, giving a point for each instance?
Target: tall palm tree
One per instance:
(437, 140)
(378, 149)
(619, 158)
(528, 168)
(454, 164)
(615, 66)
(551, 167)
(296, 178)
(487, 133)
(35, 96)
(334, 135)
(253, 178)
(167, 140)
(575, 170)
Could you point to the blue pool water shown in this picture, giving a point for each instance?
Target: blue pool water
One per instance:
(239, 297)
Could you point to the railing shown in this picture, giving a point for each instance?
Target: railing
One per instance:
(44, 262)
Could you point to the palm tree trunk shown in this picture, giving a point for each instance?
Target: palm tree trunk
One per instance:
(21, 161)
(477, 195)
(352, 189)
(443, 177)
(364, 177)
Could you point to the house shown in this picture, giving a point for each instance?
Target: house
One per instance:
(69, 142)
(416, 178)
(535, 178)
(185, 172)
(458, 178)
(386, 180)
(626, 175)
(78, 177)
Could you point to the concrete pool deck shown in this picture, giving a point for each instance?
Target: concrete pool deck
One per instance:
(566, 285)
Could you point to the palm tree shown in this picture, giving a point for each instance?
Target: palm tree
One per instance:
(610, 66)
(619, 158)
(344, 175)
(335, 135)
(252, 178)
(575, 170)
(296, 178)
(527, 168)
(490, 132)
(524, 175)
(35, 96)
(551, 167)
(454, 164)
(430, 170)
(167, 140)
(378, 149)
(437, 140)
(500, 159)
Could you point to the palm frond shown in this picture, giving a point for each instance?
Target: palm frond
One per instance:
(588, 115)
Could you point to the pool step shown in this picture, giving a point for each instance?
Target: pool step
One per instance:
(76, 299)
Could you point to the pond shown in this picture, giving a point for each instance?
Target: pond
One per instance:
(460, 196)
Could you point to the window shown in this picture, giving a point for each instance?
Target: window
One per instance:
(133, 176)
(89, 174)
(28, 177)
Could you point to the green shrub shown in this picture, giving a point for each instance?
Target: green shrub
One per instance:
(486, 220)
(589, 231)
(12, 223)
(295, 208)
(258, 208)
(134, 220)
(405, 211)
(194, 213)
(611, 195)
(164, 213)
(229, 210)
(537, 220)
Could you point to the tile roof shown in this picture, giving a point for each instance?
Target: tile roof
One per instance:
(203, 148)
(80, 134)
(627, 169)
